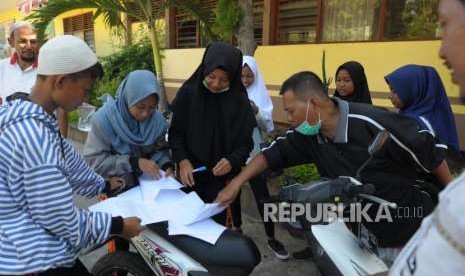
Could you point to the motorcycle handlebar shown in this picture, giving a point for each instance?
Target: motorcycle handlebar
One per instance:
(353, 190)
(315, 195)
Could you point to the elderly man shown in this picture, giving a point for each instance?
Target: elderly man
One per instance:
(438, 247)
(18, 73)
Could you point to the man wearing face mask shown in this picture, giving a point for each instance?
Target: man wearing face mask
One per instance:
(335, 135)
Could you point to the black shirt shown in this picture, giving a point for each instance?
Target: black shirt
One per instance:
(393, 171)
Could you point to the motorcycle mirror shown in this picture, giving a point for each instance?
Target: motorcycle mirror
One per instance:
(379, 141)
(375, 146)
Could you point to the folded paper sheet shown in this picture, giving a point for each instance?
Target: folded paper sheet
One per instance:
(161, 200)
(193, 209)
(151, 187)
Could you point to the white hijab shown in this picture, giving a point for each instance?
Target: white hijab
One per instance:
(258, 94)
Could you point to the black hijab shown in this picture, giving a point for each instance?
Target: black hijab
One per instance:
(214, 123)
(357, 74)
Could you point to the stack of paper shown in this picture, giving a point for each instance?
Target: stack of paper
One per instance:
(161, 200)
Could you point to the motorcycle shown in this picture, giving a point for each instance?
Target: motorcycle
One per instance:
(338, 249)
(157, 253)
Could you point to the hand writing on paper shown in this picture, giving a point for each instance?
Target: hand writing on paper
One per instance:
(149, 167)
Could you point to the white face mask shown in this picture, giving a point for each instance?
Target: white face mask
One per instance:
(221, 91)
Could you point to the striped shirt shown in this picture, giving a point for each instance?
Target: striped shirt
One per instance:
(40, 226)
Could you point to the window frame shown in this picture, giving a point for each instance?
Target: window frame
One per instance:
(270, 27)
(70, 29)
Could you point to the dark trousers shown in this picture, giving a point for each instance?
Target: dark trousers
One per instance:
(260, 191)
(77, 270)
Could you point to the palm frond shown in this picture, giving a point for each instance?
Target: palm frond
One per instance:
(109, 9)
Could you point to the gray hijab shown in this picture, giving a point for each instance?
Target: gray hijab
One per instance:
(119, 126)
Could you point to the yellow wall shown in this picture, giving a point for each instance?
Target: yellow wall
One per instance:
(11, 14)
(105, 42)
(279, 62)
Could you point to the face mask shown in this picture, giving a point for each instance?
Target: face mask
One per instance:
(206, 86)
(307, 129)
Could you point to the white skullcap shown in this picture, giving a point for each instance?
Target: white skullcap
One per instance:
(20, 24)
(65, 54)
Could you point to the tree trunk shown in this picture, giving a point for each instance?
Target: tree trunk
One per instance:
(163, 104)
(245, 34)
(127, 30)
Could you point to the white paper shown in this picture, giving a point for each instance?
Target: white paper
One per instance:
(134, 193)
(114, 206)
(151, 187)
(207, 230)
(148, 212)
(192, 209)
(169, 197)
(160, 200)
(208, 211)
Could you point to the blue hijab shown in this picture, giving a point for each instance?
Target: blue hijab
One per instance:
(421, 91)
(119, 126)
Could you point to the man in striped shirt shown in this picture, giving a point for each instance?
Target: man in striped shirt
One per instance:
(41, 229)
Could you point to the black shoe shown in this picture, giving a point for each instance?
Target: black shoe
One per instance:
(303, 254)
(278, 249)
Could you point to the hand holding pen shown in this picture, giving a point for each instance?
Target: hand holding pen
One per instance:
(185, 173)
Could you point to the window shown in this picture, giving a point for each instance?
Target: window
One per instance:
(258, 21)
(297, 21)
(186, 30)
(314, 21)
(189, 31)
(81, 26)
(411, 19)
(355, 20)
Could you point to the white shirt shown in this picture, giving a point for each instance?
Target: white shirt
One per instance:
(438, 247)
(14, 79)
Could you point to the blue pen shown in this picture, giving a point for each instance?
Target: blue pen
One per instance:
(200, 169)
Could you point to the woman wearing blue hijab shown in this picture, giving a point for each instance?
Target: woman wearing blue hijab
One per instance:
(128, 134)
(418, 92)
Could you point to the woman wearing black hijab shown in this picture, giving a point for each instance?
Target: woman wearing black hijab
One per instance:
(351, 83)
(212, 123)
